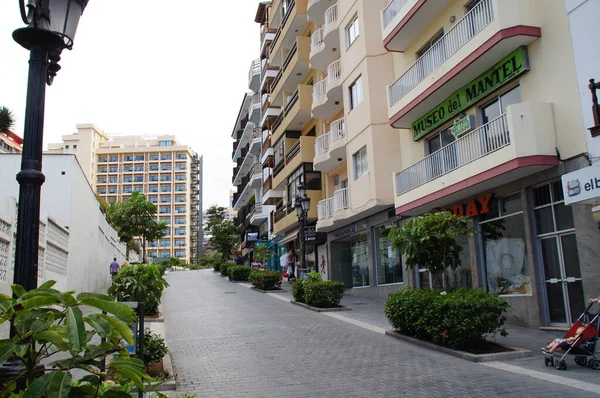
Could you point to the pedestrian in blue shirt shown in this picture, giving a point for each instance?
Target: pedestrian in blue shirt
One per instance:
(114, 267)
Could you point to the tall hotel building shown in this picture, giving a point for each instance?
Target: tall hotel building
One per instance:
(388, 110)
(168, 173)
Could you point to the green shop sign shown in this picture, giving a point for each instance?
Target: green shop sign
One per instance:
(504, 71)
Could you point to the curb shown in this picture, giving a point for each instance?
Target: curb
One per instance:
(316, 309)
(498, 356)
(268, 291)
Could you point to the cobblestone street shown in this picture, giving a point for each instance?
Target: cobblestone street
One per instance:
(229, 341)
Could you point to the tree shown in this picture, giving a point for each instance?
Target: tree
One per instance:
(261, 253)
(224, 235)
(430, 241)
(135, 218)
(7, 120)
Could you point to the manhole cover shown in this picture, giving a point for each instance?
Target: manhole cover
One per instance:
(359, 303)
(230, 292)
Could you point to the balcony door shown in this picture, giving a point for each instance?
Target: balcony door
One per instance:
(442, 154)
(494, 133)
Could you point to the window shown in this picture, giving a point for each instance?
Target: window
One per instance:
(352, 31)
(112, 190)
(165, 143)
(359, 159)
(153, 244)
(181, 166)
(448, 159)
(180, 188)
(181, 156)
(139, 178)
(153, 157)
(497, 106)
(114, 159)
(166, 156)
(165, 178)
(180, 210)
(139, 168)
(102, 159)
(165, 199)
(356, 93)
(139, 158)
(113, 180)
(179, 253)
(66, 147)
(114, 169)
(128, 169)
(360, 260)
(101, 180)
(180, 242)
(179, 231)
(505, 246)
(165, 243)
(166, 220)
(432, 59)
(153, 188)
(153, 199)
(389, 262)
(164, 254)
(102, 191)
(180, 177)
(293, 181)
(165, 188)
(127, 179)
(167, 167)
(165, 209)
(102, 169)
(179, 199)
(153, 178)
(179, 220)
(153, 167)
(75, 147)
(152, 255)
(127, 189)
(139, 189)
(128, 158)
(278, 151)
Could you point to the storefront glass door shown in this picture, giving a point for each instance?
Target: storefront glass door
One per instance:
(558, 246)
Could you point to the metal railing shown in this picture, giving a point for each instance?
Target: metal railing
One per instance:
(316, 39)
(322, 144)
(331, 14)
(391, 10)
(341, 199)
(336, 132)
(472, 146)
(334, 71)
(324, 208)
(338, 129)
(319, 89)
(468, 27)
(254, 69)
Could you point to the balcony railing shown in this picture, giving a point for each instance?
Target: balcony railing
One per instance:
(331, 15)
(464, 30)
(391, 10)
(334, 71)
(286, 63)
(322, 144)
(291, 5)
(340, 200)
(478, 143)
(254, 69)
(319, 89)
(316, 39)
(325, 209)
(337, 131)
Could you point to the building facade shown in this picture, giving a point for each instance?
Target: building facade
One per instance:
(168, 173)
(10, 143)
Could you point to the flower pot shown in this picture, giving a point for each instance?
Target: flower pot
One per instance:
(155, 368)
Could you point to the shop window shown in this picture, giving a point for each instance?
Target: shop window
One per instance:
(507, 267)
(359, 159)
(389, 262)
(356, 92)
(360, 260)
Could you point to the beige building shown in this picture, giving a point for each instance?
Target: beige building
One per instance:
(10, 143)
(167, 172)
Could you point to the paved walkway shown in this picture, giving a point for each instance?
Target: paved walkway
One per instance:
(229, 341)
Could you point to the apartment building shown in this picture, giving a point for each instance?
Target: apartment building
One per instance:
(167, 172)
(485, 96)
(10, 143)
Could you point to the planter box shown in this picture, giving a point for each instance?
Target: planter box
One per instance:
(268, 291)
(156, 368)
(514, 353)
(154, 318)
(317, 309)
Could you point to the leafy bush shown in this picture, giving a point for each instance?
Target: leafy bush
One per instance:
(225, 268)
(141, 283)
(264, 280)
(154, 347)
(323, 294)
(239, 273)
(298, 287)
(458, 319)
(217, 266)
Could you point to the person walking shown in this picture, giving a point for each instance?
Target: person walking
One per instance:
(114, 267)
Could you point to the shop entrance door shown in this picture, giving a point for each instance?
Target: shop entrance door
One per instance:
(562, 273)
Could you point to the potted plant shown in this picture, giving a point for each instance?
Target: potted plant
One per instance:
(154, 351)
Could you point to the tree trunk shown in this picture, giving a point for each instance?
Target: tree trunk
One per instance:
(144, 251)
(127, 252)
(437, 280)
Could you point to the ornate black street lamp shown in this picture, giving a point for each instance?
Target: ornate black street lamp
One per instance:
(302, 208)
(51, 27)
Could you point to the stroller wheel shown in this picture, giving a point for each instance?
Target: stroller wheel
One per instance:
(548, 361)
(560, 364)
(582, 361)
(594, 364)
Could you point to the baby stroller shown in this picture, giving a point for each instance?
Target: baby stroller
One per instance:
(584, 347)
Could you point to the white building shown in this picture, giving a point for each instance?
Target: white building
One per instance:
(77, 244)
(583, 20)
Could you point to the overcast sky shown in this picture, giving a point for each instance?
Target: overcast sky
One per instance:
(151, 67)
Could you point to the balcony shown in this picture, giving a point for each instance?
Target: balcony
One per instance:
(486, 34)
(251, 182)
(254, 109)
(518, 143)
(285, 217)
(328, 94)
(326, 40)
(404, 20)
(293, 22)
(302, 151)
(330, 148)
(244, 139)
(267, 35)
(296, 112)
(260, 213)
(270, 196)
(332, 211)
(316, 10)
(254, 75)
(249, 157)
(293, 70)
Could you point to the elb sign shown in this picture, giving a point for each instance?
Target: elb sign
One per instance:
(581, 184)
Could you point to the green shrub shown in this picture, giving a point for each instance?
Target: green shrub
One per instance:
(264, 280)
(154, 347)
(141, 283)
(217, 267)
(323, 294)
(239, 273)
(225, 268)
(298, 287)
(458, 319)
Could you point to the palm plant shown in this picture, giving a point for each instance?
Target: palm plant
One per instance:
(7, 120)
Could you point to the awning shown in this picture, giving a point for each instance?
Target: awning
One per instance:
(290, 236)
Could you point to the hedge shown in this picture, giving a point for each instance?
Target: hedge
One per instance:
(298, 287)
(264, 280)
(225, 268)
(324, 294)
(458, 319)
(238, 273)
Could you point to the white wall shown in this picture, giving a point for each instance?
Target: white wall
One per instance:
(67, 200)
(583, 21)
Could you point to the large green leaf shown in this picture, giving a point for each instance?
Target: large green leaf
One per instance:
(7, 348)
(60, 385)
(120, 310)
(76, 328)
(94, 295)
(40, 301)
(52, 337)
(39, 387)
(100, 323)
(18, 290)
(42, 292)
(47, 285)
(123, 329)
(134, 374)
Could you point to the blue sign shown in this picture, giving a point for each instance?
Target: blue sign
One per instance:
(349, 230)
